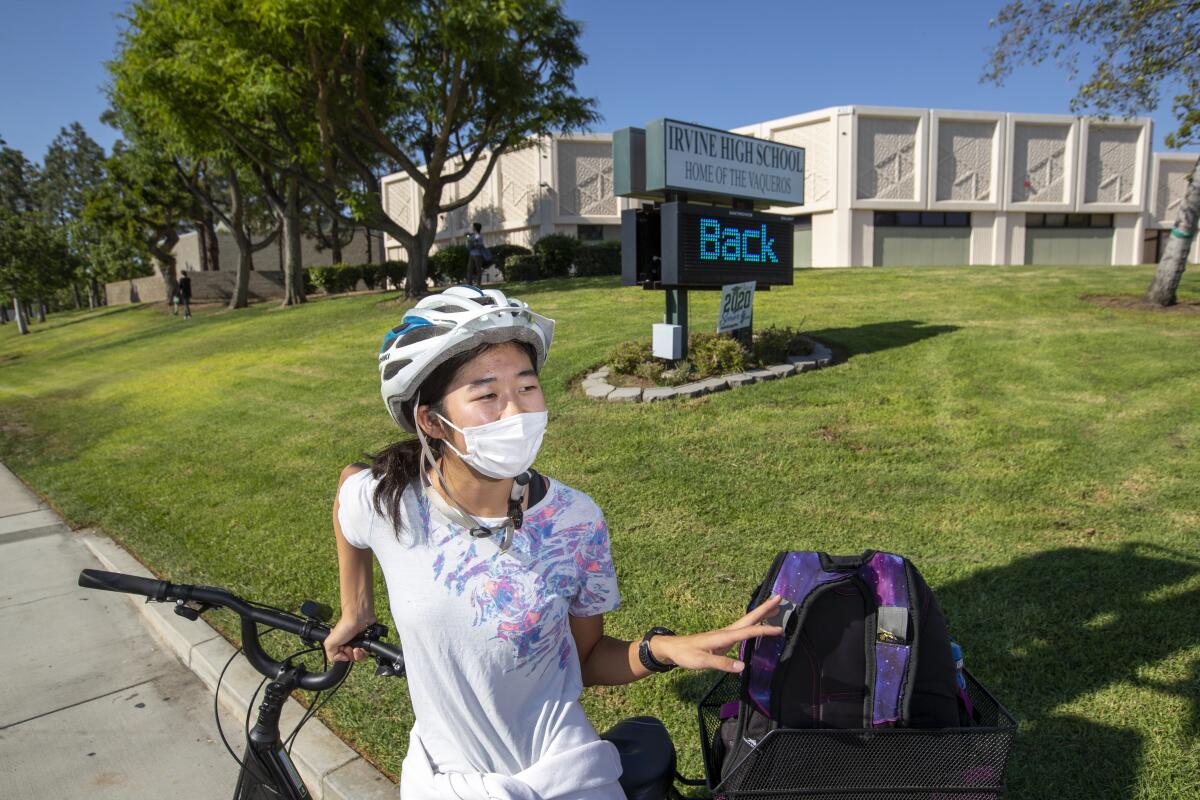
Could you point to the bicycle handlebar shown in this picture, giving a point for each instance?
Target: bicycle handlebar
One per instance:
(309, 630)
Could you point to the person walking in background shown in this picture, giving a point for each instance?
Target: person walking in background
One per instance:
(185, 295)
(475, 255)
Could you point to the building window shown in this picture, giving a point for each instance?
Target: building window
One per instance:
(591, 233)
(922, 219)
(1068, 220)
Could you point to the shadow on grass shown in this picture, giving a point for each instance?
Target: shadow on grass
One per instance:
(1054, 629)
(875, 336)
(52, 323)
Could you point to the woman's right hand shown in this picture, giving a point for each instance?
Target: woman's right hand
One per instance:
(346, 629)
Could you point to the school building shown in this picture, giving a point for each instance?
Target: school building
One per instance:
(884, 186)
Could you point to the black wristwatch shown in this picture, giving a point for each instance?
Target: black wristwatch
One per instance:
(647, 658)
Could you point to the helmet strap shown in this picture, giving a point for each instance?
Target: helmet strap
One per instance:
(457, 513)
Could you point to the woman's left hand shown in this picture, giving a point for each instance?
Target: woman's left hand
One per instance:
(707, 650)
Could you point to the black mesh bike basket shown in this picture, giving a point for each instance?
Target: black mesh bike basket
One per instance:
(884, 763)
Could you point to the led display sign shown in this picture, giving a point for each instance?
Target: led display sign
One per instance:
(712, 246)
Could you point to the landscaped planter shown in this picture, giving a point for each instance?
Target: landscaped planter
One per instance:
(596, 386)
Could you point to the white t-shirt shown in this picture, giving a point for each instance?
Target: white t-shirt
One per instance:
(493, 673)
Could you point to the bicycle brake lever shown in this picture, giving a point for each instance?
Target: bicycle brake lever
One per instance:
(387, 670)
(187, 612)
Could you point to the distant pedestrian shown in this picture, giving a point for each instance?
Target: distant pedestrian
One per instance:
(185, 295)
(475, 255)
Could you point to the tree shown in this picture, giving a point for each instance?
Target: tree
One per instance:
(72, 167)
(137, 212)
(17, 176)
(442, 89)
(160, 84)
(1141, 48)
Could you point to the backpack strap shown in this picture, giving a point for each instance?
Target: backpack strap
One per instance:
(794, 576)
(886, 575)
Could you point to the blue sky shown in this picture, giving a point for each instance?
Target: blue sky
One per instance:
(717, 63)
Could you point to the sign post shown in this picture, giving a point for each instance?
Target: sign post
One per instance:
(703, 231)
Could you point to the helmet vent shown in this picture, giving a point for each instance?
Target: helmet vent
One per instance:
(391, 369)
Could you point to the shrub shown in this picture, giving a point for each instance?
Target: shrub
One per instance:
(449, 264)
(557, 252)
(310, 286)
(502, 252)
(713, 354)
(773, 345)
(335, 279)
(395, 271)
(626, 357)
(601, 258)
(523, 268)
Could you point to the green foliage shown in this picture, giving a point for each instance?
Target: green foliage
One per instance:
(394, 271)
(523, 268)
(557, 253)
(773, 345)
(627, 357)
(73, 167)
(715, 354)
(449, 264)
(502, 252)
(599, 258)
(339, 278)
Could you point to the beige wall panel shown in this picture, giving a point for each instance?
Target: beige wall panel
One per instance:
(887, 159)
(400, 205)
(964, 160)
(585, 174)
(820, 164)
(1040, 163)
(1172, 186)
(1110, 170)
(983, 227)
(519, 189)
(824, 240)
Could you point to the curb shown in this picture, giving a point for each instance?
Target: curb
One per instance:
(330, 769)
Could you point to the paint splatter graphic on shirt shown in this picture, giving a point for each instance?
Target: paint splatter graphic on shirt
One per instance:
(555, 555)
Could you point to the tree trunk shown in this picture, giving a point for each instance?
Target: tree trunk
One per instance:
(41, 310)
(418, 256)
(1179, 244)
(202, 240)
(214, 245)
(75, 295)
(241, 279)
(237, 214)
(293, 267)
(335, 238)
(3, 314)
(19, 315)
(97, 299)
(370, 246)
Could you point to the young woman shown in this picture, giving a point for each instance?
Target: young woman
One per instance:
(498, 577)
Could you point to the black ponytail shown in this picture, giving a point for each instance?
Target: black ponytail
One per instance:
(398, 465)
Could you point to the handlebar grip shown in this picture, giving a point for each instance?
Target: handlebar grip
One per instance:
(120, 582)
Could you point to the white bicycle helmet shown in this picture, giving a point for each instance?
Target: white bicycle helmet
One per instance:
(440, 327)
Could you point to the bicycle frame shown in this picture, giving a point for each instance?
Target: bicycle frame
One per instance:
(267, 770)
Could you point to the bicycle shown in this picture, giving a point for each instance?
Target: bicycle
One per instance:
(267, 771)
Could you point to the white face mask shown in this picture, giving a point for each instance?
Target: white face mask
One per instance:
(504, 448)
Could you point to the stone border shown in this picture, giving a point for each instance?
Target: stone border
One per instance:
(596, 386)
(329, 767)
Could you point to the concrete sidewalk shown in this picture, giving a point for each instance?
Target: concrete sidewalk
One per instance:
(103, 696)
(90, 705)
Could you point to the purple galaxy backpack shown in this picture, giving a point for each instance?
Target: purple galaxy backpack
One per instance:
(864, 646)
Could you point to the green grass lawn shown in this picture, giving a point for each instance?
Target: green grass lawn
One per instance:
(1032, 453)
